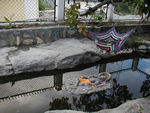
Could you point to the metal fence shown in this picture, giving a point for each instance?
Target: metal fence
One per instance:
(27, 10)
(116, 12)
(44, 10)
(84, 6)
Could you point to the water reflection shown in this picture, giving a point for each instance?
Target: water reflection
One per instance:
(114, 65)
(135, 63)
(58, 79)
(131, 74)
(145, 88)
(96, 101)
(60, 104)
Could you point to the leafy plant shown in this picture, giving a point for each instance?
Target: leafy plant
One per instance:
(8, 21)
(143, 6)
(99, 17)
(72, 16)
(124, 8)
(41, 5)
(83, 29)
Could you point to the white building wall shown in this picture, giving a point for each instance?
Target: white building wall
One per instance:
(31, 9)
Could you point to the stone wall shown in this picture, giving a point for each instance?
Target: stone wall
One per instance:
(34, 36)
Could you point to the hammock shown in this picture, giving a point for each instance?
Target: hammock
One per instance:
(110, 40)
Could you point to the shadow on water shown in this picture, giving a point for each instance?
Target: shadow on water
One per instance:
(130, 74)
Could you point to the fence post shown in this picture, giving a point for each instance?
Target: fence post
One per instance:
(102, 67)
(135, 64)
(58, 81)
(60, 4)
(110, 13)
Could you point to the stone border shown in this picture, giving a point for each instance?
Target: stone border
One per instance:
(38, 35)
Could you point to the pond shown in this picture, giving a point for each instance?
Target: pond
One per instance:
(43, 91)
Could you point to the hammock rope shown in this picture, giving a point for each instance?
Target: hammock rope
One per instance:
(111, 40)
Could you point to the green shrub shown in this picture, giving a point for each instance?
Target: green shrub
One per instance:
(41, 5)
(9, 22)
(72, 16)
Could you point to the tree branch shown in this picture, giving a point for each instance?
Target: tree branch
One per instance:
(93, 9)
(103, 2)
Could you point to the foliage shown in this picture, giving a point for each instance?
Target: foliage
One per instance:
(143, 6)
(124, 8)
(8, 21)
(60, 104)
(41, 5)
(98, 17)
(72, 16)
(82, 29)
(106, 99)
(145, 89)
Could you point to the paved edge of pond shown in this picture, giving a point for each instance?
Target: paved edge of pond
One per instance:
(61, 54)
(134, 106)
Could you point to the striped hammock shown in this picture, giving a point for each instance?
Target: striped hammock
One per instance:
(110, 40)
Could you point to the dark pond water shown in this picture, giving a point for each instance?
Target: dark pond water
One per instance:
(35, 93)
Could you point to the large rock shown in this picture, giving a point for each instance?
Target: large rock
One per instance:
(34, 59)
(143, 46)
(135, 106)
(5, 64)
(62, 54)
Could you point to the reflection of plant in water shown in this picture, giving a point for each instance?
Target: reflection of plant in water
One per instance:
(105, 99)
(145, 88)
(93, 102)
(60, 104)
(118, 95)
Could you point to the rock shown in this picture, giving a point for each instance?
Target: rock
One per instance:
(133, 106)
(142, 47)
(5, 64)
(62, 54)
(34, 59)
(28, 42)
(64, 111)
(39, 40)
(75, 53)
